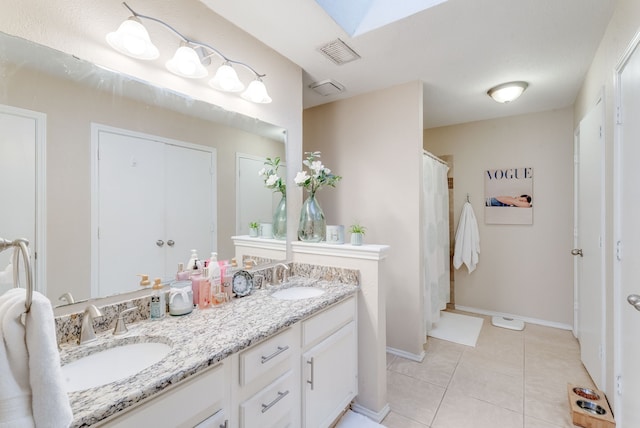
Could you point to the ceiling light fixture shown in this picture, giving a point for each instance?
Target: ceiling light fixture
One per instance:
(132, 39)
(507, 92)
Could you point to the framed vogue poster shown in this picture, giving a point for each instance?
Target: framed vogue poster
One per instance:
(508, 196)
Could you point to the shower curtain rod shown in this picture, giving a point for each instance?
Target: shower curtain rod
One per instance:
(434, 157)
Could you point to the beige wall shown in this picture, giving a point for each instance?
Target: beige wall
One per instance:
(524, 270)
(622, 28)
(70, 109)
(374, 141)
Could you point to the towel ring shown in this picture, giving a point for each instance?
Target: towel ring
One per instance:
(21, 247)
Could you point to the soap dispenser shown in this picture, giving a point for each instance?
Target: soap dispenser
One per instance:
(157, 301)
(193, 264)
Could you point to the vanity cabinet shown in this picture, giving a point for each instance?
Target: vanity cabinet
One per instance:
(329, 364)
(201, 401)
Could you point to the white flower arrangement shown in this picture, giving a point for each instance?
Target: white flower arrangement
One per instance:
(317, 176)
(271, 178)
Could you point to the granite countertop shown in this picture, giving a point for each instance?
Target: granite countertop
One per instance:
(199, 340)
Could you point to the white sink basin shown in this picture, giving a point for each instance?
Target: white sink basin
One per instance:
(295, 293)
(113, 364)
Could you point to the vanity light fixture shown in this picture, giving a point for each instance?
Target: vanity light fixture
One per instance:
(132, 39)
(507, 92)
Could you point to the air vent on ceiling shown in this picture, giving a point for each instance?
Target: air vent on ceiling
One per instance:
(327, 87)
(338, 52)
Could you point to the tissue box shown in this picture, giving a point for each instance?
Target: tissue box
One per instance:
(589, 407)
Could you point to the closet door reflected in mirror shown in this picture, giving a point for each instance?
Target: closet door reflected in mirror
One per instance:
(22, 149)
(155, 201)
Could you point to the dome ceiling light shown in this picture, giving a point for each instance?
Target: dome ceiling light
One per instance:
(507, 92)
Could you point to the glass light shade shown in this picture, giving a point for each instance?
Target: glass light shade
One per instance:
(257, 93)
(132, 39)
(186, 63)
(507, 92)
(226, 79)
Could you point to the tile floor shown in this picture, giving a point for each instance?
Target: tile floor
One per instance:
(511, 379)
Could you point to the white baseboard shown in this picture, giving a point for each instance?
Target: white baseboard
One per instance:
(407, 355)
(525, 319)
(374, 416)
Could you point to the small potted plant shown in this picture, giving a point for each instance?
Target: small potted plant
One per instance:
(253, 229)
(357, 232)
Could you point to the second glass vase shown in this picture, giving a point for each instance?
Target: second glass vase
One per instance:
(280, 219)
(312, 226)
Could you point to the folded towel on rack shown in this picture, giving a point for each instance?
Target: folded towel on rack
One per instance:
(31, 386)
(467, 246)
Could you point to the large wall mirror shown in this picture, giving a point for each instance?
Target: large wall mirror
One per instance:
(70, 98)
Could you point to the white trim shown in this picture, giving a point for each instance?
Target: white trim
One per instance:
(366, 252)
(618, 298)
(38, 249)
(375, 416)
(269, 244)
(408, 355)
(508, 315)
(576, 179)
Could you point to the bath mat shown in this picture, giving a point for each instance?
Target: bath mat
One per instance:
(354, 420)
(457, 328)
(510, 323)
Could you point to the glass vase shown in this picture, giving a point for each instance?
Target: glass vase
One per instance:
(280, 219)
(312, 226)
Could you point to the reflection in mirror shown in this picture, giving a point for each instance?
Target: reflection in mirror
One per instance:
(73, 97)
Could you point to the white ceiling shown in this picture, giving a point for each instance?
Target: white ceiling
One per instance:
(458, 49)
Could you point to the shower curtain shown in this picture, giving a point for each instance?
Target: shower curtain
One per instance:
(436, 238)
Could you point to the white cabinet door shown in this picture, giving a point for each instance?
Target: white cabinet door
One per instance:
(330, 379)
(154, 198)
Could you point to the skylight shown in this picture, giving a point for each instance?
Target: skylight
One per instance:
(357, 17)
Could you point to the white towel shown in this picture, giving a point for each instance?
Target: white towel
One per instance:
(31, 386)
(467, 247)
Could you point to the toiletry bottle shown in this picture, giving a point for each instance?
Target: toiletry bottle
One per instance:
(182, 275)
(192, 264)
(204, 292)
(157, 301)
(226, 280)
(215, 275)
(195, 286)
(144, 280)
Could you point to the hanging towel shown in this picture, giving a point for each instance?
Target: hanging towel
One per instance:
(467, 245)
(31, 385)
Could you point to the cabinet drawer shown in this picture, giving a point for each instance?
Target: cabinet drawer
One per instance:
(202, 395)
(272, 406)
(322, 325)
(264, 357)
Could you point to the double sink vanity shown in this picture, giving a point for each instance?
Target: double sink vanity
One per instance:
(285, 355)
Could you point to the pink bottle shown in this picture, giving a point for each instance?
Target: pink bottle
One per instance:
(195, 287)
(204, 292)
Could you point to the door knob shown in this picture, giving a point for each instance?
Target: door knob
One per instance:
(171, 242)
(159, 242)
(634, 300)
(577, 252)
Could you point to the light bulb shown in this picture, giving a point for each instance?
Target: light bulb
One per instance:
(186, 63)
(257, 93)
(226, 79)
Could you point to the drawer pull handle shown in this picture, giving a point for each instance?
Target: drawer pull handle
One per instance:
(310, 382)
(280, 350)
(280, 396)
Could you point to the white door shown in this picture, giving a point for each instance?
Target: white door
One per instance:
(156, 202)
(190, 208)
(589, 238)
(627, 241)
(131, 211)
(21, 186)
(254, 202)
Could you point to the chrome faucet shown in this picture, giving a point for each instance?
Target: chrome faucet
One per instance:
(87, 333)
(274, 273)
(121, 326)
